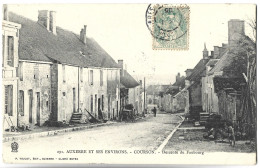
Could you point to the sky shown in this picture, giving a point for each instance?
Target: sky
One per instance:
(121, 30)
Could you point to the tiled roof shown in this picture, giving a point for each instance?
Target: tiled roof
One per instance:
(174, 89)
(37, 44)
(198, 70)
(128, 81)
(156, 89)
(224, 61)
(229, 56)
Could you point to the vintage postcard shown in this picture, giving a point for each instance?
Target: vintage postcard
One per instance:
(129, 84)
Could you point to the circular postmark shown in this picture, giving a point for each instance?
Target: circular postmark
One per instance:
(168, 24)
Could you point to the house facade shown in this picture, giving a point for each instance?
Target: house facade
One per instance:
(175, 98)
(57, 73)
(10, 43)
(130, 89)
(225, 80)
(34, 92)
(193, 84)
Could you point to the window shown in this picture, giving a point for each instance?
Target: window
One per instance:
(36, 72)
(9, 100)
(10, 52)
(20, 71)
(116, 78)
(81, 74)
(21, 102)
(101, 77)
(63, 73)
(91, 77)
(91, 104)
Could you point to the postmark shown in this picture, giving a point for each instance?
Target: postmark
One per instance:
(169, 26)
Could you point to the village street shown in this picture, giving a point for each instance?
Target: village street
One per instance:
(144, 134)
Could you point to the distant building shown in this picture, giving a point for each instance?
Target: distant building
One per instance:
(155, 93)
(175, 98)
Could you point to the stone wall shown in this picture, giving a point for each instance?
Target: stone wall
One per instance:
(36, 79)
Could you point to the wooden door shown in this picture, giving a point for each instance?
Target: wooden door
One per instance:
(74, 100)
(38, 105)
(30, 105)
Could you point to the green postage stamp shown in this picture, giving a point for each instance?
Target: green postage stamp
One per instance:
(170, 27)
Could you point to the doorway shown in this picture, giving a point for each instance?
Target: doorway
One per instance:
(30, 93)
(38, 105)
(99, 109)
(74, 100)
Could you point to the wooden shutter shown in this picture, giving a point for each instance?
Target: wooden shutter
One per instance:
(10, 56)
(21, 102)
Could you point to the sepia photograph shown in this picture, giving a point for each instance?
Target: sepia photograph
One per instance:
(149, 83)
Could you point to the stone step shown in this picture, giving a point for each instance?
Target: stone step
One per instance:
(76, 117)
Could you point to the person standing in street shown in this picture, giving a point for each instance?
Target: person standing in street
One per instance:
(154, 111)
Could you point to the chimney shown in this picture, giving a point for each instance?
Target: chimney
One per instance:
(224, 45)
(53, 22)
(205, 52)
(216, 52)
(5, 13)
(141, 83)
(178, 76)
(188, 72)
(121, 66)
(43, 18)
(236, 30)
(83, 34)
(212, 54)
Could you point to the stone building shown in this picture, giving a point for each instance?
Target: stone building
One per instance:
(193, 84)
(61, 73)
(175, 98)
(224, 80)
(130, 89)
(10, 43)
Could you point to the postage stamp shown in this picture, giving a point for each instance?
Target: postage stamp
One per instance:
(170, 27)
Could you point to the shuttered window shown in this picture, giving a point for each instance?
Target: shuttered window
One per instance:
(21, 102)
(91, 77)
(20, 71)
(63, 73)
(101, 77)
(81, 74)
(9, 100)
(10, 52)
(36, 71)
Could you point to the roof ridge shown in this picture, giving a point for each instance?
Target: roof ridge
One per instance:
(36, 43)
